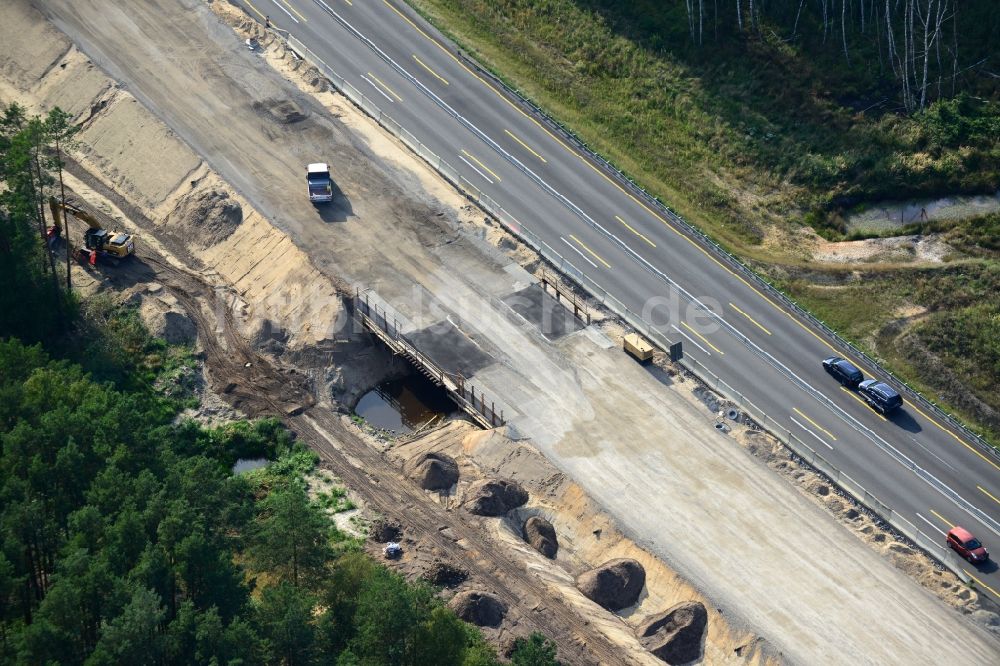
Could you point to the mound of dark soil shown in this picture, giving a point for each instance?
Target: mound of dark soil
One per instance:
(480, 608)
(432, 470)
(385, 530)
(675, 635)
(541, 535)
(445, 575)
(613, 585)
(494, 497)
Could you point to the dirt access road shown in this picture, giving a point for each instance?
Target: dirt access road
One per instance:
(626, 439)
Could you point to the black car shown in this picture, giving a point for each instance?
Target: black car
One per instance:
(880, 396)
(844, 371)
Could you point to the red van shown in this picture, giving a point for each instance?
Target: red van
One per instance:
(966, 545)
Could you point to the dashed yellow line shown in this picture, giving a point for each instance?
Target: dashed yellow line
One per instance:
(703, 338)
(525, 146)
(259, 13)
(863, 403)
(591, 252)
(639, 202)
(828, 433)
(427, 67)
(755, 322)
(629, 227)
(956, 437)
(470, 156)
(381, 83)
(979, 582)
(988, 494)
(603, 175)
(296, 11)
(943, 519)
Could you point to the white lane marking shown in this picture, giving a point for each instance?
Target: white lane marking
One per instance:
(473, 167)
(885, 446)
(276, 4)
(577, 250)
(810, 432)
(936, 528)
(691, 339)
(376, 87)
(913, 439)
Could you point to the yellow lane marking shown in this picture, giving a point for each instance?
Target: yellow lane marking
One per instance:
(956, 437)
(349, 2)
(525, 146)
(296, 11)
(979, 582)
(629, 227)
(603, 175)
(733, 306)
(467, 154)
(828, 433)
(381, 83)
(863, 403)
(635, 199)
(591, 252)
(703, 338)
(433, 73)
(988, 494)
(943, 519)
(259, 13)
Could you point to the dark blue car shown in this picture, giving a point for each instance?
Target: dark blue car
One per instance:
(844, 371)
(880, 396)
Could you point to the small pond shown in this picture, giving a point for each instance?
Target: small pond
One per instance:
(403, 405)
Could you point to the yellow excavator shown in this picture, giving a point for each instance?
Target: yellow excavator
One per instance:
(99, 244)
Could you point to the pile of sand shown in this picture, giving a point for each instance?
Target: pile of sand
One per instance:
(494, 497)
(480, 608)
(675, 635)
(211, 214)
(613, 585)
(432, 470)
(541, 535)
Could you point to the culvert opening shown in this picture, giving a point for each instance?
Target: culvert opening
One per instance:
(405, 404)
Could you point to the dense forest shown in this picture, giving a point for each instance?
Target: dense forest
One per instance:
(125, 536)
(930, 47)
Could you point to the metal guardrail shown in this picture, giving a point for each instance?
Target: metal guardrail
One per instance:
(706, 376)
(733, 261)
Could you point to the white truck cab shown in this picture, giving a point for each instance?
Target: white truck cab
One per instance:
(320, 183)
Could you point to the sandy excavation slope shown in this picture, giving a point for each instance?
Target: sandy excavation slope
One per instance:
(651, 458)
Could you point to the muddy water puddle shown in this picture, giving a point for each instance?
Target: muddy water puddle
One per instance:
(404, 405)
(247, 464)
(888, 215)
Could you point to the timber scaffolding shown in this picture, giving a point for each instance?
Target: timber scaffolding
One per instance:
(464, 394)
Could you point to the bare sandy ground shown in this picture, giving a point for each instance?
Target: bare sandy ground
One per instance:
(649, 457)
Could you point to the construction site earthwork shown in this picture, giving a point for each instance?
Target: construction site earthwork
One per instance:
(536, 473)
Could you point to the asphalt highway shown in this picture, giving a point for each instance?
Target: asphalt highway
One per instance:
(911, 461)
